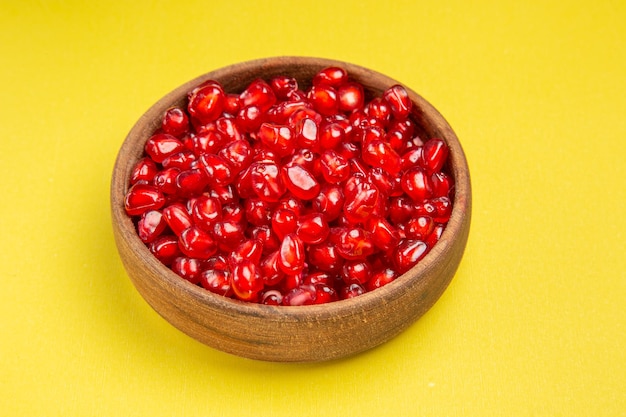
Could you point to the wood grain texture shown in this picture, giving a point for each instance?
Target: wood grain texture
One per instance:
(292, 334)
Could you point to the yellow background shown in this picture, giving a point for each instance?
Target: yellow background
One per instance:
(533, 323)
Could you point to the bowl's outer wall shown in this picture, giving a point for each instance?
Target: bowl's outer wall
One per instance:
(307, 333)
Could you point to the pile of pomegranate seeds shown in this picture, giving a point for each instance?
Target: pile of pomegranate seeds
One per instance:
(288, 197)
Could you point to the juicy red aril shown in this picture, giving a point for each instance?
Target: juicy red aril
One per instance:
(143, 197)
(162, 145)
(434, 155)
(144, 170)
(188, 268)
(408, 253)
(206, 102)
(177, 218)
(285, 196)
(399, 101)
(300, 182)
(291, 254)
(175, 122)
(150, 225)
(245, 280)
(196, 243)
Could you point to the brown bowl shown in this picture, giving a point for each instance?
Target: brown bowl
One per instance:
(304, 333)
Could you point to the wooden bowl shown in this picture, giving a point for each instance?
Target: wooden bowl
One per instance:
(278, 333)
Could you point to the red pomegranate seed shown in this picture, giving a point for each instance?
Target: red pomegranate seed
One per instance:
(141, 198)
(251, 249)
(380, 279)
(245, 280)
(441, 184)
(283, 86)
(206, 102)
(416, 184)
(182, 160)
(165, 249)
(161, 145)
(228, 234)
(384, 235)
(354, 244)
(360, 201)
(144, 170)
(196, 243)
(329, 201)
(435, 154)
(335, 168)
(379, 109)
(191, 181)
(216, 281)
(435, 235)
(270, 270)
(291, 254)
(399, 101)
(206, 212)
(351, 97)
(208, 141)
(332, 76)
(331, 135)
(238, 155)
(175, 122)
(150, 225)
(177, 218)
(250, 118)
(379, 154)
(419, 227)
(325, 294)
(188, 268)
(259, 93)
(356, 272)
(266, 181)
(300, 182)
(217, 170)
(232, 104)
(300, 296)
(284, 222)
(306, 133)
(408, 253)
(313, 228)
(443, 209)
(292, 203)
(272, 298)
(227, 127)
(278, 138)
(258, 212)
(165, 180)
(351, 291)
(324, 99)
(325, 257)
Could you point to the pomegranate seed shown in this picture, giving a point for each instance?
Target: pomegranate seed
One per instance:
(332, 76)
(329, 201)
(419, 227)
(380, 279)
(325, 257)
(191, 181)
(307, 133)
(177, 218)
(150, 225)
(354, 244)
(283, 86)
(182, 160)
(250, 118)
(217, 170)
(384, 235)
(188, 268)
(325, 294)
(335, 168)
(324, 99)
(175, 122)
(416, 183)
(292, 203)
(216, 281)
(272, 298)
(399, 101)
(259, 93)
(300, 182)
(300, 296)
(266, 182)
(378, 153)
(360, 201)
(443, 209)
(434, 155)
(313, 228)
(351, 291)
(238, 155)
(145, 170)
(206, 212)
(228, 234)
(435, 235)
(379, 109)
(161, 145)
(196, 243)
(291, 254)
(284, 222)
(278, 138)
(208, 141)
(270, 269)
(331, 135)
(251, 249)
(356, 272)
(245, 280)
(408, 253)
(206, 102)
(441, 184)
(143, 197)
(165, 180)
(232, 104)
(165, 248)
(351, 97)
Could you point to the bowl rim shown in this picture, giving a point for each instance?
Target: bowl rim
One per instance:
(461, 207)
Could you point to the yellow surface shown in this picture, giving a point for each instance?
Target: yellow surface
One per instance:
(533, 323)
